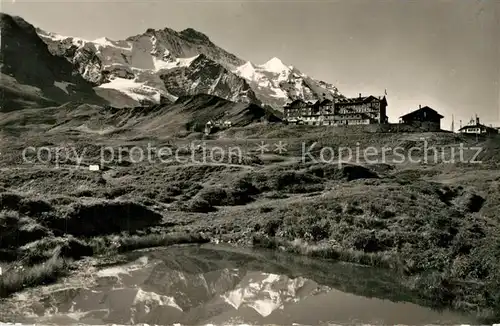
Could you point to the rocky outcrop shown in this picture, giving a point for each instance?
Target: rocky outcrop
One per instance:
(188, 43)
(206, 76)
(31, 75)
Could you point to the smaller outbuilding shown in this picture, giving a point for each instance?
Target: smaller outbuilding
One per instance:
(475, 127)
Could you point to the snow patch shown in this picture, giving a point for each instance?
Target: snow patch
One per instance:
(265, 292)
(234, 298)
(265, 307)
(246, 71)
(105, 42)
(279, 93)
(134, 89)
(155, 298)
(258, 295)
(179, 62)
(274, 65)
(195, 84)
(63, 86)
(58, 37)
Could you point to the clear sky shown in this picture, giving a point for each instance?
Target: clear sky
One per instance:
(444, 54)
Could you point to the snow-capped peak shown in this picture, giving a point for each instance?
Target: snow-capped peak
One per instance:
(274, 65)
(246, 70)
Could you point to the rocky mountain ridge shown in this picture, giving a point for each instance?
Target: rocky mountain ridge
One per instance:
(161, 65)
(31, 76)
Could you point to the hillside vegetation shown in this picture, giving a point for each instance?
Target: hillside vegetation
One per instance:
(187, 115)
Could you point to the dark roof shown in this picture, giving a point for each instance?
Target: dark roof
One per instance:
(295, 104)
(425, 108)
(360, 100)
(325, 102)
(478, 125)
(297, 101)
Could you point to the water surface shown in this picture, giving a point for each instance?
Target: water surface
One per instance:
(199, 285)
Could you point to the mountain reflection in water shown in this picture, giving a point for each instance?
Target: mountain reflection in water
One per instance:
(224, 285)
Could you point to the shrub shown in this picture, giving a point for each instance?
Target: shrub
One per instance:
(217, 196)
(354, 172)
(34, 207)
(16, 231)
(198, 205)
(117, 192)
(100, 217)
(285, 181)
(9, 201)
(347, 172)
(271, 226)
(266, 209)
(75, 249)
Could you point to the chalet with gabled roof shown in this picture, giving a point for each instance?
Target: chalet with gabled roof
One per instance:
(424, 117)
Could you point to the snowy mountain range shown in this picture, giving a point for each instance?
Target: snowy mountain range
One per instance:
(157, 66)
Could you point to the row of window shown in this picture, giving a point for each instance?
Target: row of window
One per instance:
(332, 117)
(473, 130)
(358, 110)
(338, 122)
(343, 111)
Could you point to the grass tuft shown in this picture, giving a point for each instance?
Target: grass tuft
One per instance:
(15, 279)
(158, 240)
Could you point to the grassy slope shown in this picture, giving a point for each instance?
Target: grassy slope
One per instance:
(187, 114)
(436, 225)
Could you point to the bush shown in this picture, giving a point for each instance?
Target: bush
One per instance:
(100, 217)
(34, 207)
(347, 172)
(198, 205)
(266, 209)
(216, 196)
(75, 249)
(16, 231)
(117, 192)
(282, 181)
(9, 201)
